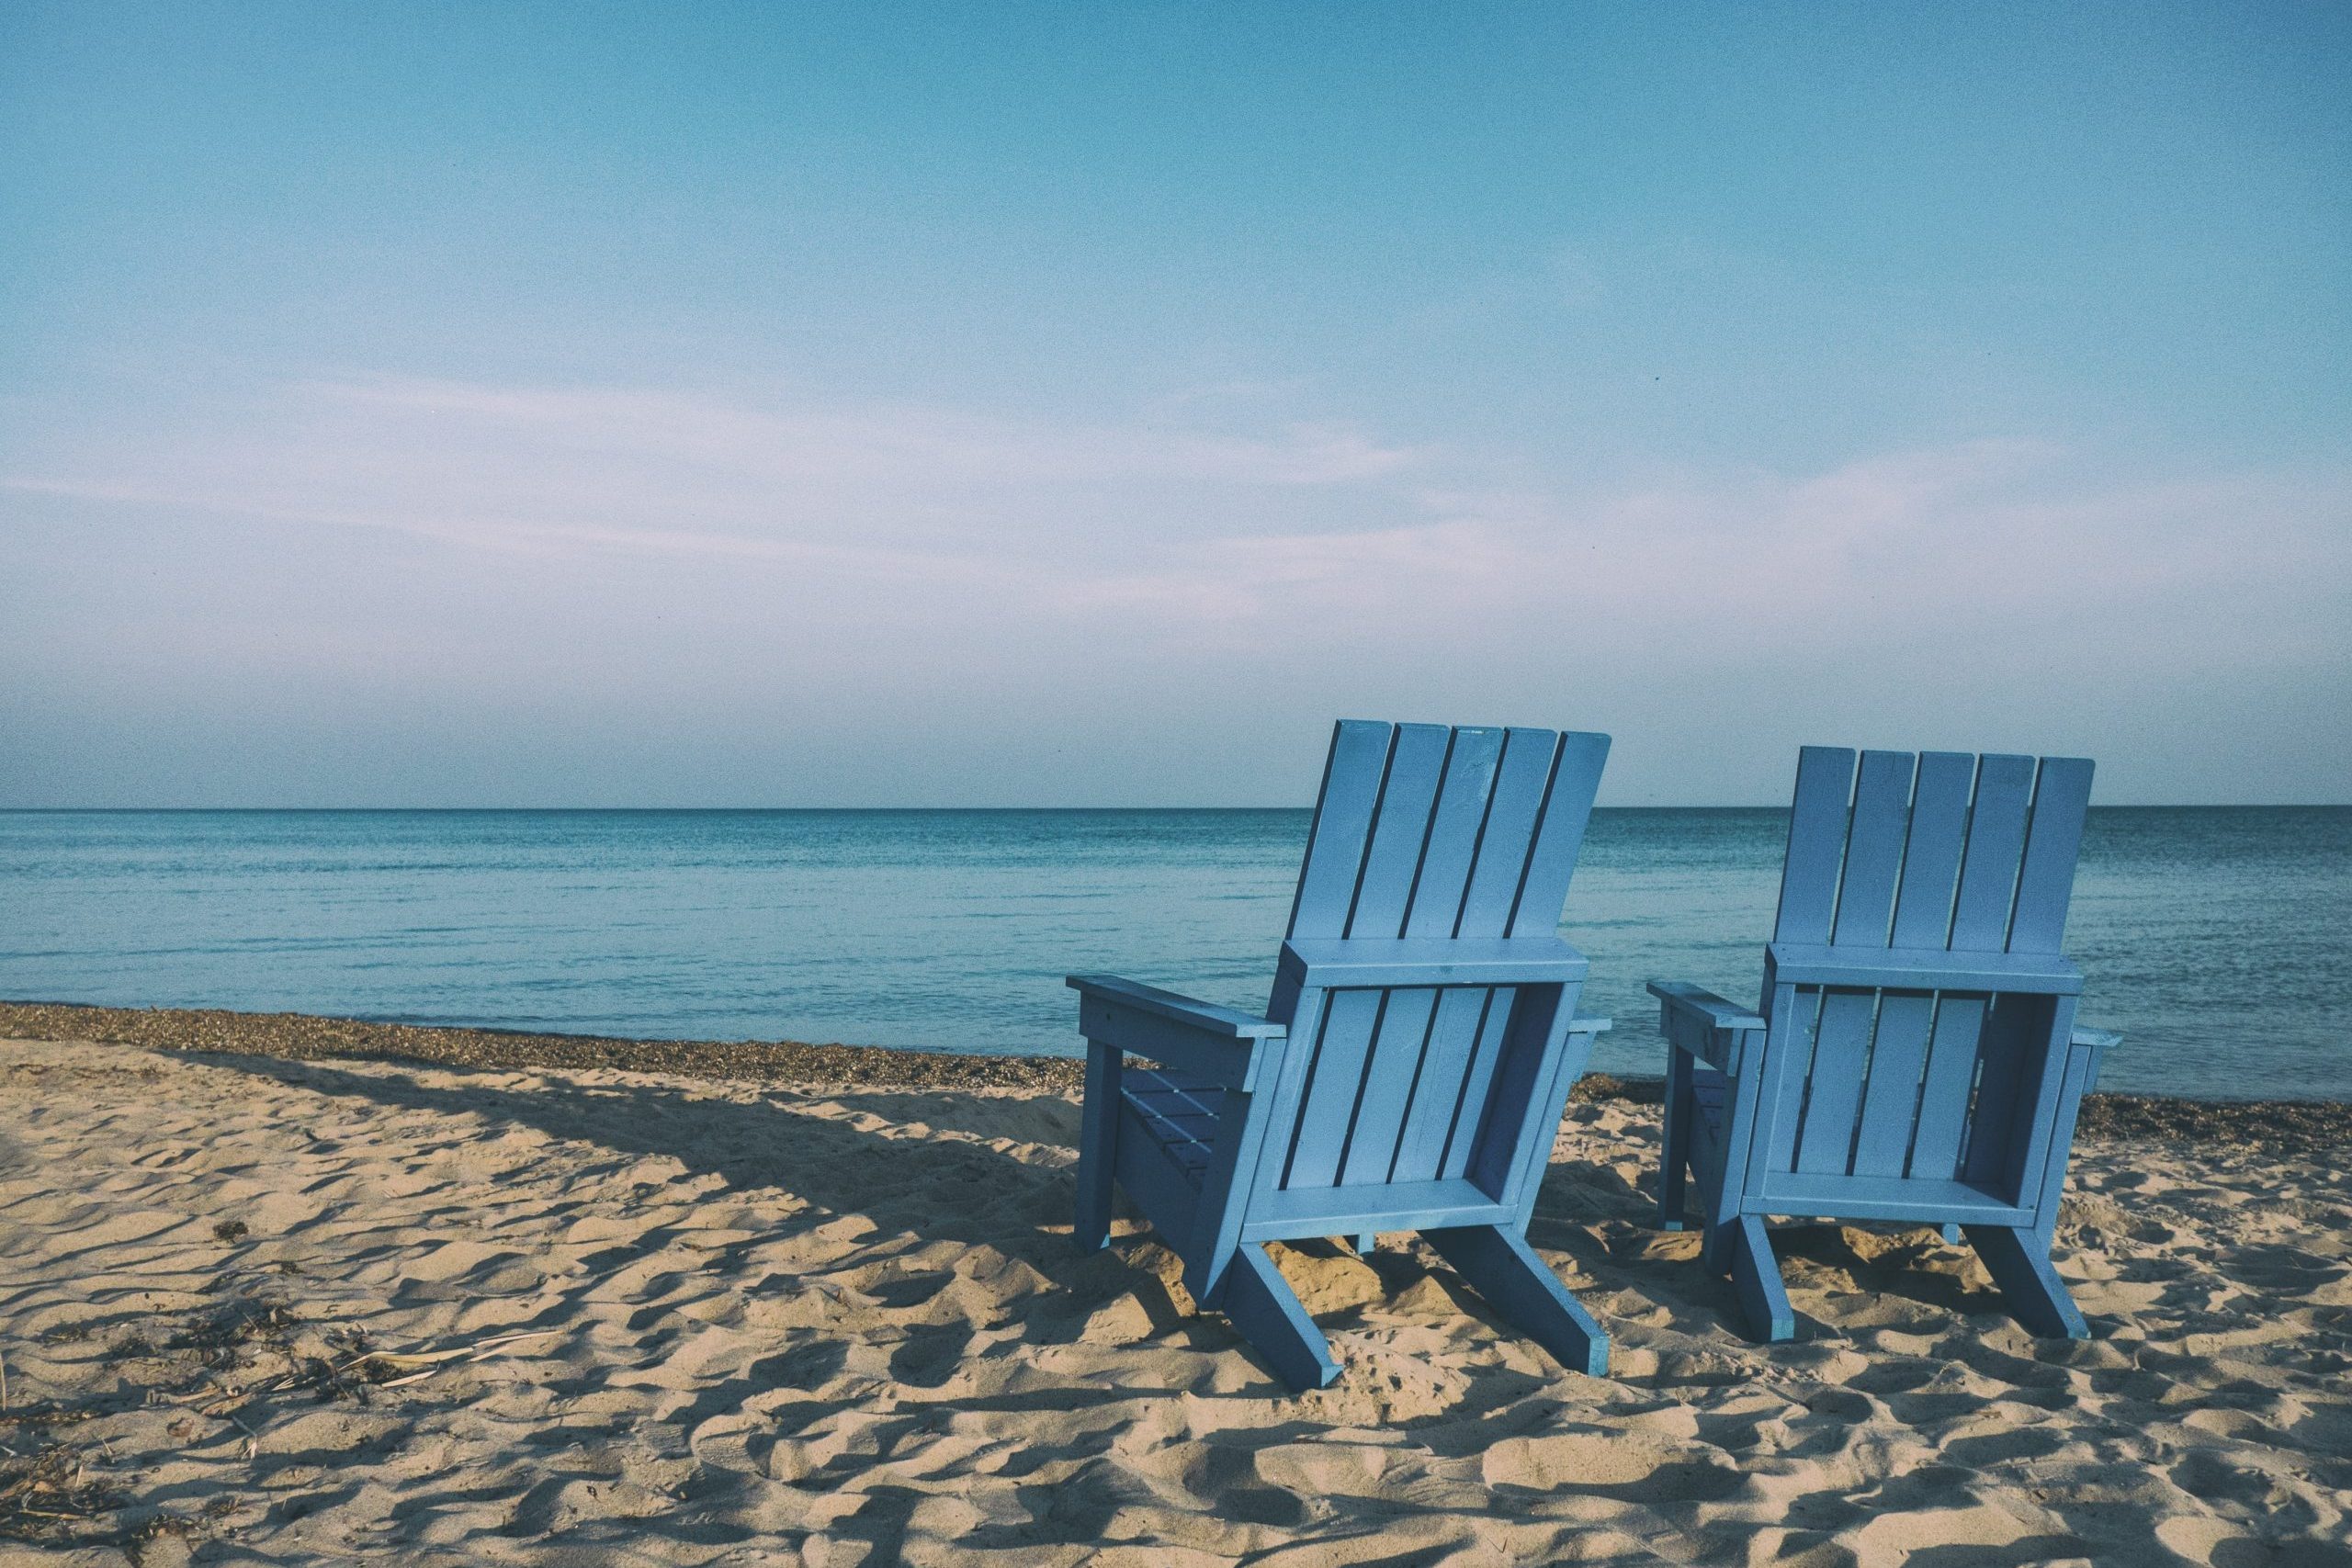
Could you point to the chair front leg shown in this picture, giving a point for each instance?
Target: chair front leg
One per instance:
(2019, 1261)
(1757, 1273)
(1261, 1305)
(1525, 1293)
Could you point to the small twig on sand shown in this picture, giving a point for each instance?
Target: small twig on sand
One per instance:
(418, 1365)
(253, 1439)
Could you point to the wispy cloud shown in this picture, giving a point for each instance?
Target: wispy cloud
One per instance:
(883, 443)
(597, 469)
(1288, 529)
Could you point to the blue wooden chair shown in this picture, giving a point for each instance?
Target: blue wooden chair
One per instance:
(1411, 1068)
(1915, 1057)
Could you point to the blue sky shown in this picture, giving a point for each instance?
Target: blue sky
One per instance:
(1062, 405)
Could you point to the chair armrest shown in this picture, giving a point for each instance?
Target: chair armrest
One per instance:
(1217, 1043)
(1207, 1017)
(1680, 996)
(2097, 1042)
(1701, 1022)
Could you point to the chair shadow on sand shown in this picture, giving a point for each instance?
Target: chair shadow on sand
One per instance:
(855, 1166)
(765, 1148)
(1016, 1201)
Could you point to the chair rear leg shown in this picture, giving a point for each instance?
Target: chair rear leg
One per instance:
(1261, 1306)
(1757, 1274)
(2019, 1261)
(1097, 1138)
(1525, 1293)
(1674, 1152)
(1722, 1193)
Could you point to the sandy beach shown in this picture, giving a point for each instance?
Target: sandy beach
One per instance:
(261, 1309)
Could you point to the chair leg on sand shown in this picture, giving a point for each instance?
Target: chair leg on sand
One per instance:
(2019, 1263)
(1097, 1148)
(1757, 1273)
(1719, 1253)
(1525, 1293)
(1260, 1303)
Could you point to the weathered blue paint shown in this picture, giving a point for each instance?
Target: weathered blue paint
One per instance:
(1414, 1059)
(1915, 1056)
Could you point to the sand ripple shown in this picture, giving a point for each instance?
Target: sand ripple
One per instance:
(844, 1326)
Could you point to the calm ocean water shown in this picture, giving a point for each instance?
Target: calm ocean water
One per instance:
(2214, 936)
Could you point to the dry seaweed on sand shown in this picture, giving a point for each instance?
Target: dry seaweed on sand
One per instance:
(44, 1493)
(52, 1498)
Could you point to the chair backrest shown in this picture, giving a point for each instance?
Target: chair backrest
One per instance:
(1941, 849)
(1425, 832)
(1917, 1074)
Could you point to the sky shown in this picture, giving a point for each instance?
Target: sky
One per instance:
(1056, 405)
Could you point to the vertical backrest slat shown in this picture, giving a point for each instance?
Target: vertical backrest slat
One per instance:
(1389, 1076)
(1453, 1036)
(1320, 1133)
(1944, 1089)
(2046, 885)
(1400, 830)
(1522, 779)
(2010, 1060)
(1789, 1054)
(1816, 845)
(1335, 846)
(1931, 862)
(1891, 1102)
(1839, 1049)
(1454, 833)
(1988, 877)
(1874, 848)
(1478, 1079)
(1551, 862)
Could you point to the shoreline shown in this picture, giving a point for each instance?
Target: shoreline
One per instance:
(2292, 1124)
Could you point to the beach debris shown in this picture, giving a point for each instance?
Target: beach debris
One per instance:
(44, 1493)
(185, 1526)
(231, 1230)
(397, 1369)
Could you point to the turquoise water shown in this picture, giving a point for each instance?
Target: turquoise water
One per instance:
(2214, 936)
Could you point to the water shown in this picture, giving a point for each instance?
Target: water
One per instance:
(2214, 936)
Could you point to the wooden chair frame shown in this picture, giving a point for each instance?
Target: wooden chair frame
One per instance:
(1916, 1056)
(1412, 1067)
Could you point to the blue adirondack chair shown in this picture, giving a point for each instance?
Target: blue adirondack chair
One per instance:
(1412, 1067)
(1915, 1057)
